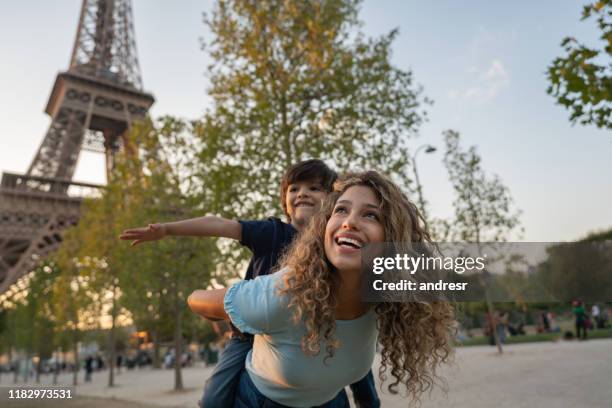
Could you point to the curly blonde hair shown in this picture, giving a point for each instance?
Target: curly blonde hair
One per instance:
(415, 336)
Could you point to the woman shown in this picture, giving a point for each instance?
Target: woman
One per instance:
(314, 302)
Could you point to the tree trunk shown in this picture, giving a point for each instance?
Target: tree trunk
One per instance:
(490, 310)
(75, 371)
(26, 372)
(10, 357)
(491, 319)
(111, 348)
(488, 299)
(56, 367)
(156, 357)
(178, 347)
(16, 375)
(38, 368)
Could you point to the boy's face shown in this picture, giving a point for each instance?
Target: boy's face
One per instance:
(303, 200)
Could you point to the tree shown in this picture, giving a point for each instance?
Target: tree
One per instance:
(41, 329)
(151, 182)
(579, 270)
(293, 80)
(27, 318)
(9, 327)
(484, 209)
(75, 305)
(5, 340)
(22, 320)
(158, 276)
(97, 254)
(578, 80)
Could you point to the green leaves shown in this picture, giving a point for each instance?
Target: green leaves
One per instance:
(578, 80)
(291, 80)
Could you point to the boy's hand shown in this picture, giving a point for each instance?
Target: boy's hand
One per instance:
(151, 233)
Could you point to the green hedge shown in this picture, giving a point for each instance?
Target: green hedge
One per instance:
(533, 338)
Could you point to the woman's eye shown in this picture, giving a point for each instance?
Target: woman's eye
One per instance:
(339, 209)
(372, 215)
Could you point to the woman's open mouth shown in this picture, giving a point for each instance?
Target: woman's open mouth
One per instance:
(348, 244)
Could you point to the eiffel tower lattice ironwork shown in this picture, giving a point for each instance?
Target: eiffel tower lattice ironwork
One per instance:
(92, 105)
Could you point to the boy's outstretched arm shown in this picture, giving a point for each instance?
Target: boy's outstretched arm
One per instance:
(208, 303)
(208, 226)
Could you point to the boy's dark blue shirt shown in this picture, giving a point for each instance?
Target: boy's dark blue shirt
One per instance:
(267, 240)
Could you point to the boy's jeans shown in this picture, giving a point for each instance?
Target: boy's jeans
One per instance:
(248, 396)
(364, 392)
(220, 389)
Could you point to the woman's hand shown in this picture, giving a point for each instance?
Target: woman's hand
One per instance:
(153, 232)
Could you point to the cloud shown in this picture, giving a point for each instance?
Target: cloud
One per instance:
(487, 84)
(496, 79)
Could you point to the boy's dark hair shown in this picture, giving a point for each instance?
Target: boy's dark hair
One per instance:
(307, 170)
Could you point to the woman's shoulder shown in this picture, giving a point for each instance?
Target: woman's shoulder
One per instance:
(256, 306)
(271, 281)
(265, 286)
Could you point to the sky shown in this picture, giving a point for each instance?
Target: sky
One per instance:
(483, 64)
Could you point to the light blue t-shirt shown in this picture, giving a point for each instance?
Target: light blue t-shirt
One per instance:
(277, 365)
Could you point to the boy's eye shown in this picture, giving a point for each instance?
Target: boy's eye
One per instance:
(315, 188)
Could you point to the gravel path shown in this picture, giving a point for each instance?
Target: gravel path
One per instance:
(560, 375)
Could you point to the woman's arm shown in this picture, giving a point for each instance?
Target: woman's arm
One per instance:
(208, 303)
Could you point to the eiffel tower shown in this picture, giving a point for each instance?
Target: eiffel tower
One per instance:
(92, 105)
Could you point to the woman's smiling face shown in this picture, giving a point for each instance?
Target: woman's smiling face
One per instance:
(356, 220)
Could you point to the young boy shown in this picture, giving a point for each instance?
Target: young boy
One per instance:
(303, 188)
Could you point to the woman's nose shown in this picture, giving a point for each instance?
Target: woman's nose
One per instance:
(350, 222)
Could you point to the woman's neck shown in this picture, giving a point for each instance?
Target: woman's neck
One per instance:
(350, 305)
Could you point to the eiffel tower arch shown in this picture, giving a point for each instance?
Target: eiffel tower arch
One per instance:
(92, 105)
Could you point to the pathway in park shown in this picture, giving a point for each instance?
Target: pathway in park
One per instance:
(560, 375)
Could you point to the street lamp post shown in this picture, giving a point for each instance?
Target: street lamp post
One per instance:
(428, 149)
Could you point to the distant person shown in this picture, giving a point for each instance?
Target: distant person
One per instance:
(501, 327)
(516, 330)
(169, 358)
(545, 322)
(490, 325)
(554, 327)
(205, 354)
(580, 320)
(599, 317)
(89, 363)
(596, 315)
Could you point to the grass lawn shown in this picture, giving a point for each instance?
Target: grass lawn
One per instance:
(532, 338)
